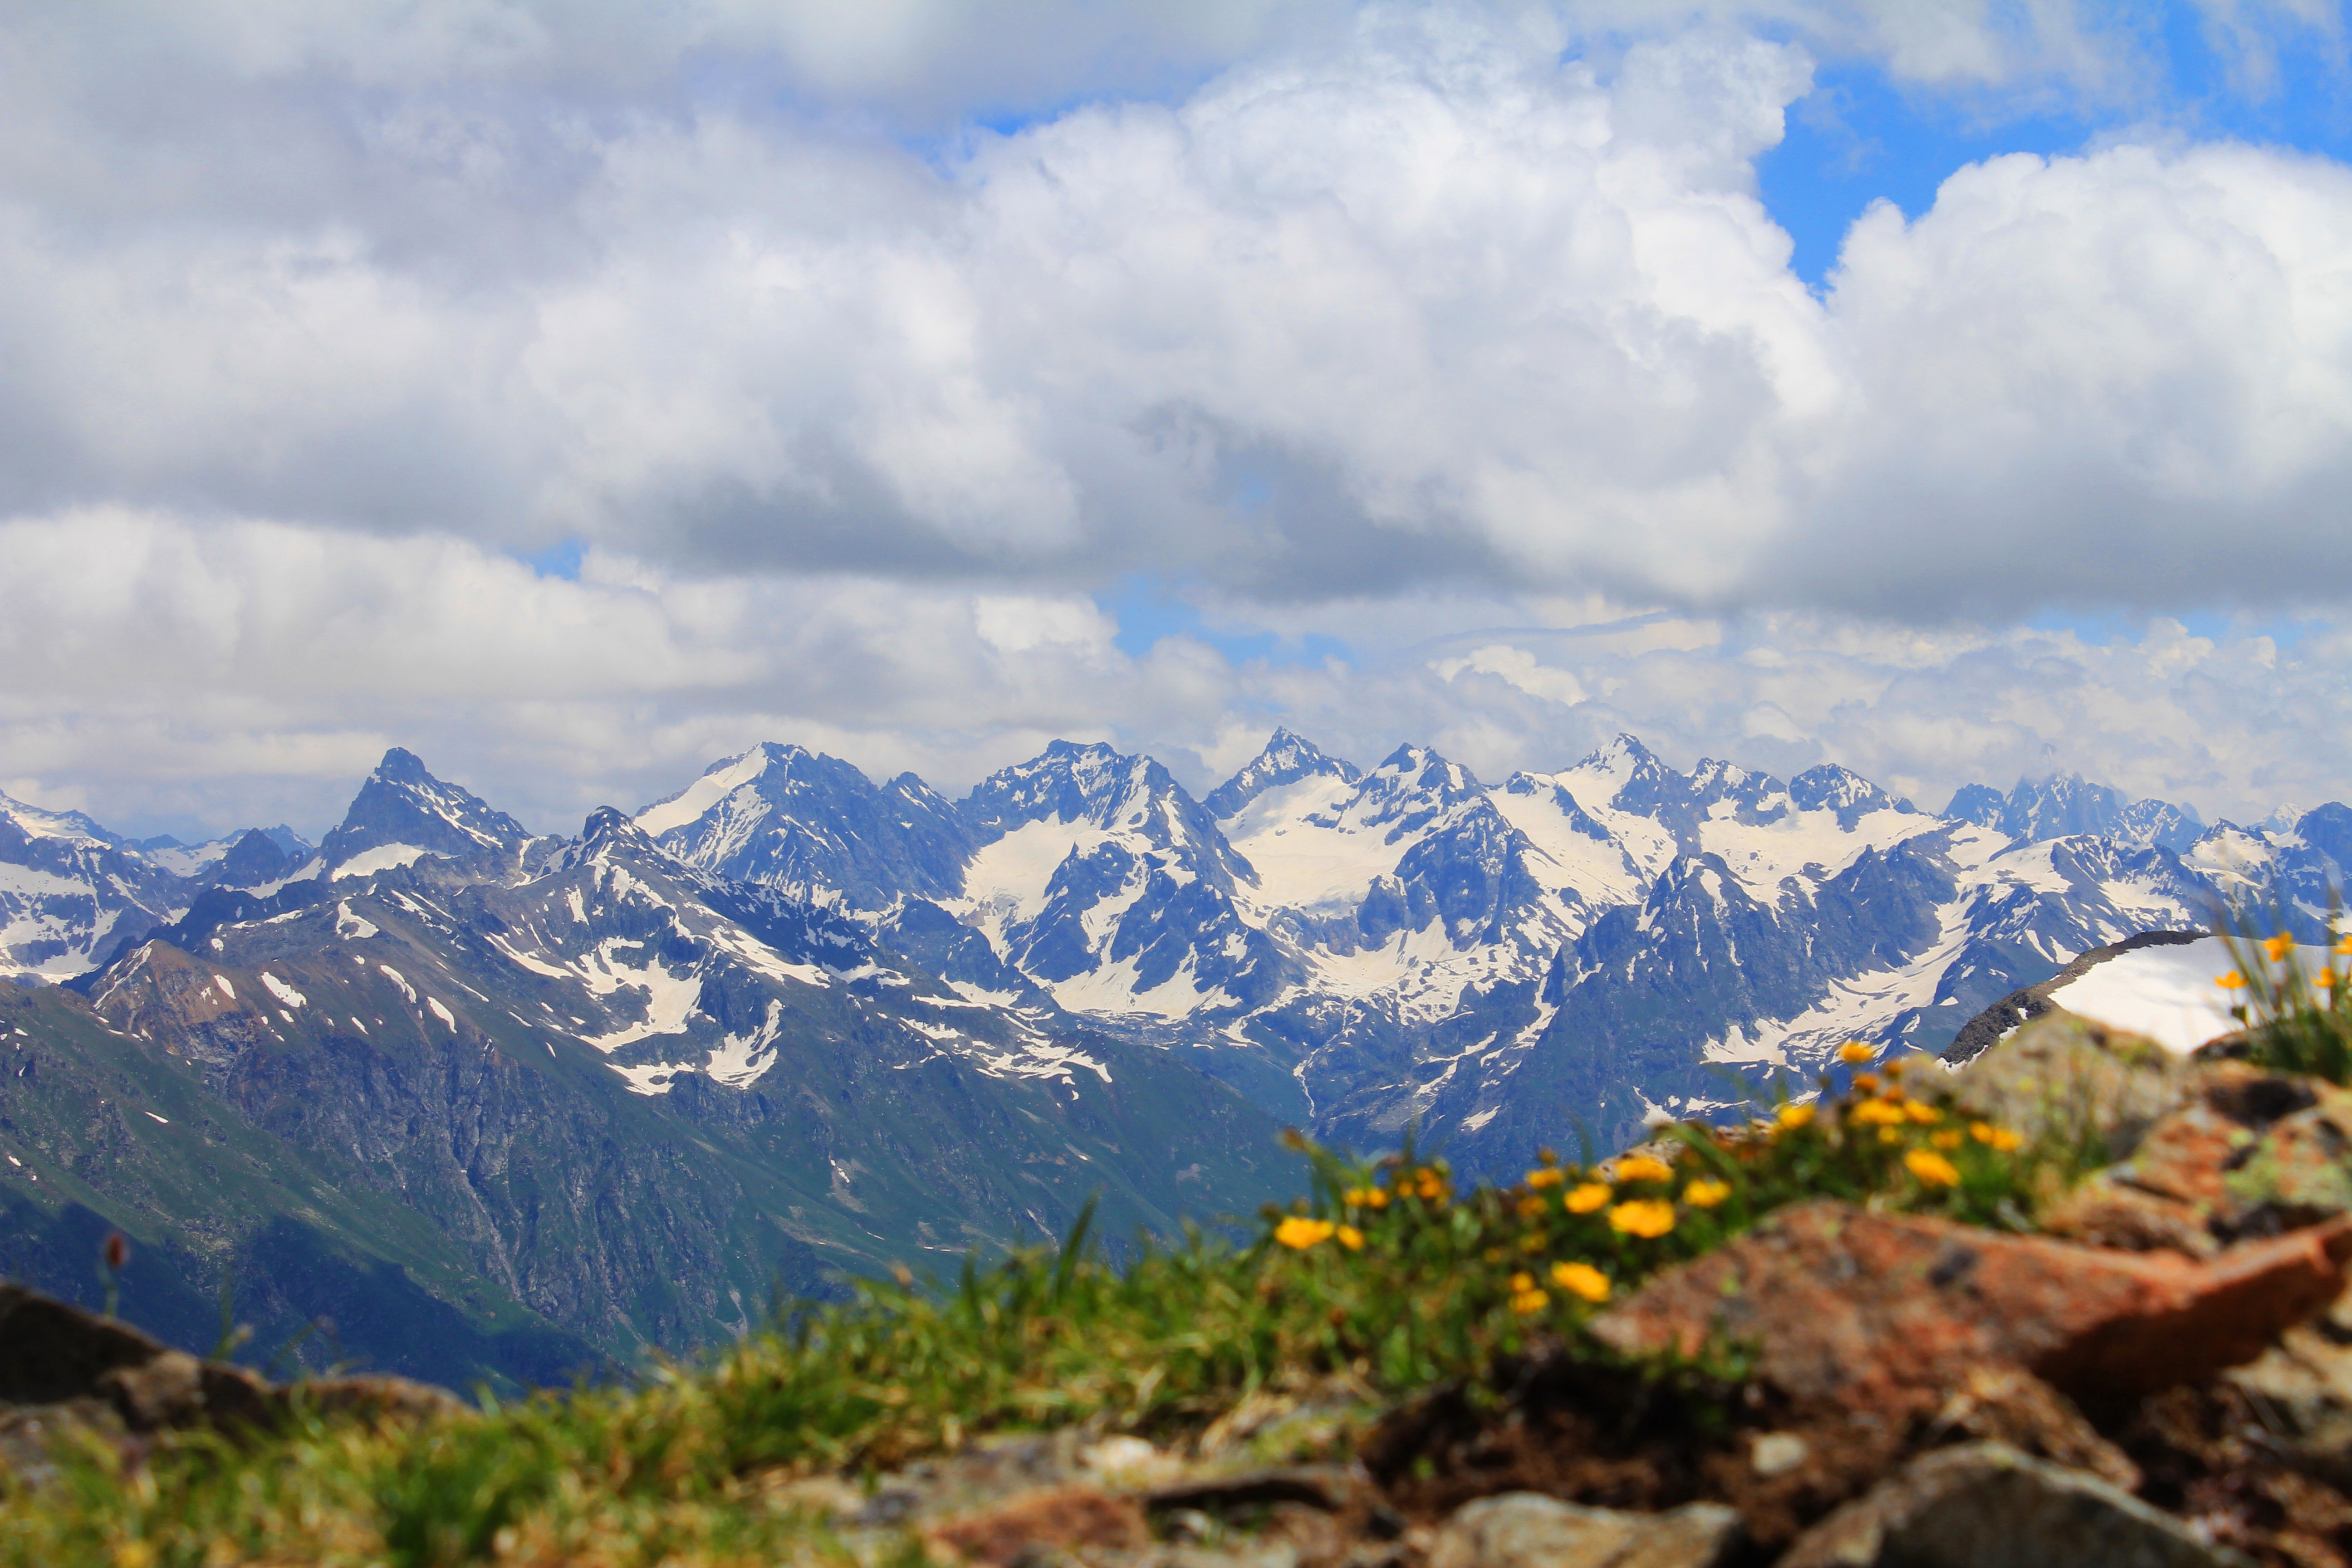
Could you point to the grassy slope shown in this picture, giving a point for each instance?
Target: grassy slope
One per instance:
(1387, 1277)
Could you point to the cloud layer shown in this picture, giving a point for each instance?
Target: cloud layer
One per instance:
(1404, 325)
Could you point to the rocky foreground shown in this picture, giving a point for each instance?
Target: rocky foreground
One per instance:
(2156, 1370)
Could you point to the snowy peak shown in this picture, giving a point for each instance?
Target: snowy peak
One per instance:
(2157, 824)
(1830, 787)
(1069, 782)
(1624, 775)
(403, 807)
(2059, 806)
(2065, 804)
(815, 825)
(71, 827)
(1413, 786)
(1284, 760)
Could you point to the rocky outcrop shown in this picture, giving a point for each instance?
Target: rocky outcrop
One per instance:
(65, 1373)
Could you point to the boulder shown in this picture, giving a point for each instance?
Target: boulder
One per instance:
(64, 1370)
(2246, 1152)
(1526, 1530)
(2068, 1076)
(1883, 1313)
(1986, 1505)
(1047, 1519)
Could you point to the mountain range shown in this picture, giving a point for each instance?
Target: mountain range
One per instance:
(503, 1106)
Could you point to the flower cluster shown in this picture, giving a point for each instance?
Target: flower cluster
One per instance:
(1567, 1239)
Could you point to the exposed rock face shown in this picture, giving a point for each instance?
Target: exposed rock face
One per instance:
(1988, 1506)
(1885, 1312)
(64, 1371)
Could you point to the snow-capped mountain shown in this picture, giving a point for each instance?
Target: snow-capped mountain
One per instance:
(788, 1019)
(564, 1097)
(1611, 941)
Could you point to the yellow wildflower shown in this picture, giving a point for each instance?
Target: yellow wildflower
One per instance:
(1378, 1197)
(1889, 1135)
(1896, 1069)
(1588, 1197)
(1865, 1083)
(1853, 1053)
(1932, 1168)
(1926, 1115)
(1351, 1237)
(1301, 1233)
(2343, 948)
(1526, 1302)
(1706, 1193)
(1549, 1176)
(2233, 981)
(2325, 980)
(1996, 1138)
(1356, 1197)
(1949, 1137)
(1793, 1116)
(1876, 1113)
(2278, 947)
(1530, 1206)
(1643, 1216)
(1642, 1168)
(1582, 1281)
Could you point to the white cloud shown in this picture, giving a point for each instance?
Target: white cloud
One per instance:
(1447, 331)
(1420, 299)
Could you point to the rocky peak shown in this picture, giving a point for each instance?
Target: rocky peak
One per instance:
(1285, 759)
(1976, 802)
(1070, 782)
(2059, 806)
(1830, 787)
(402, 803)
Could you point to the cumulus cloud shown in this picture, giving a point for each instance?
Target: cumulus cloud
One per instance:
(1426, 292)
(1456, 333)
(221, 673)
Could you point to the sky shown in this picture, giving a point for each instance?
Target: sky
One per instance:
(576, 394)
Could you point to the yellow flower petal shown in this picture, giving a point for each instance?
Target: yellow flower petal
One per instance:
(1526, 1302)
(1793, 1116)
(1932, 1168)
(1351, 1237)
(1642, 1168)
(1582, 1281)
(1588, 1197)
(1853, 1053)
(2233, 981)
(1643, 1216)
(1301, 1233)
(1926, 1115)
(1706, 1193)
(2278, 947)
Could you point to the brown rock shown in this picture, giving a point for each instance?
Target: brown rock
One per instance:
(1526, 1530)
(1988, 1506)
(377, 1398)
(2008, 1404)
(1057, 1518)
(2246, 1152)
(1883, 1312)
(51, 1352)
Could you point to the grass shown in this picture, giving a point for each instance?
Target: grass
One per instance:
(1385, 1276)
(2297, 1019)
